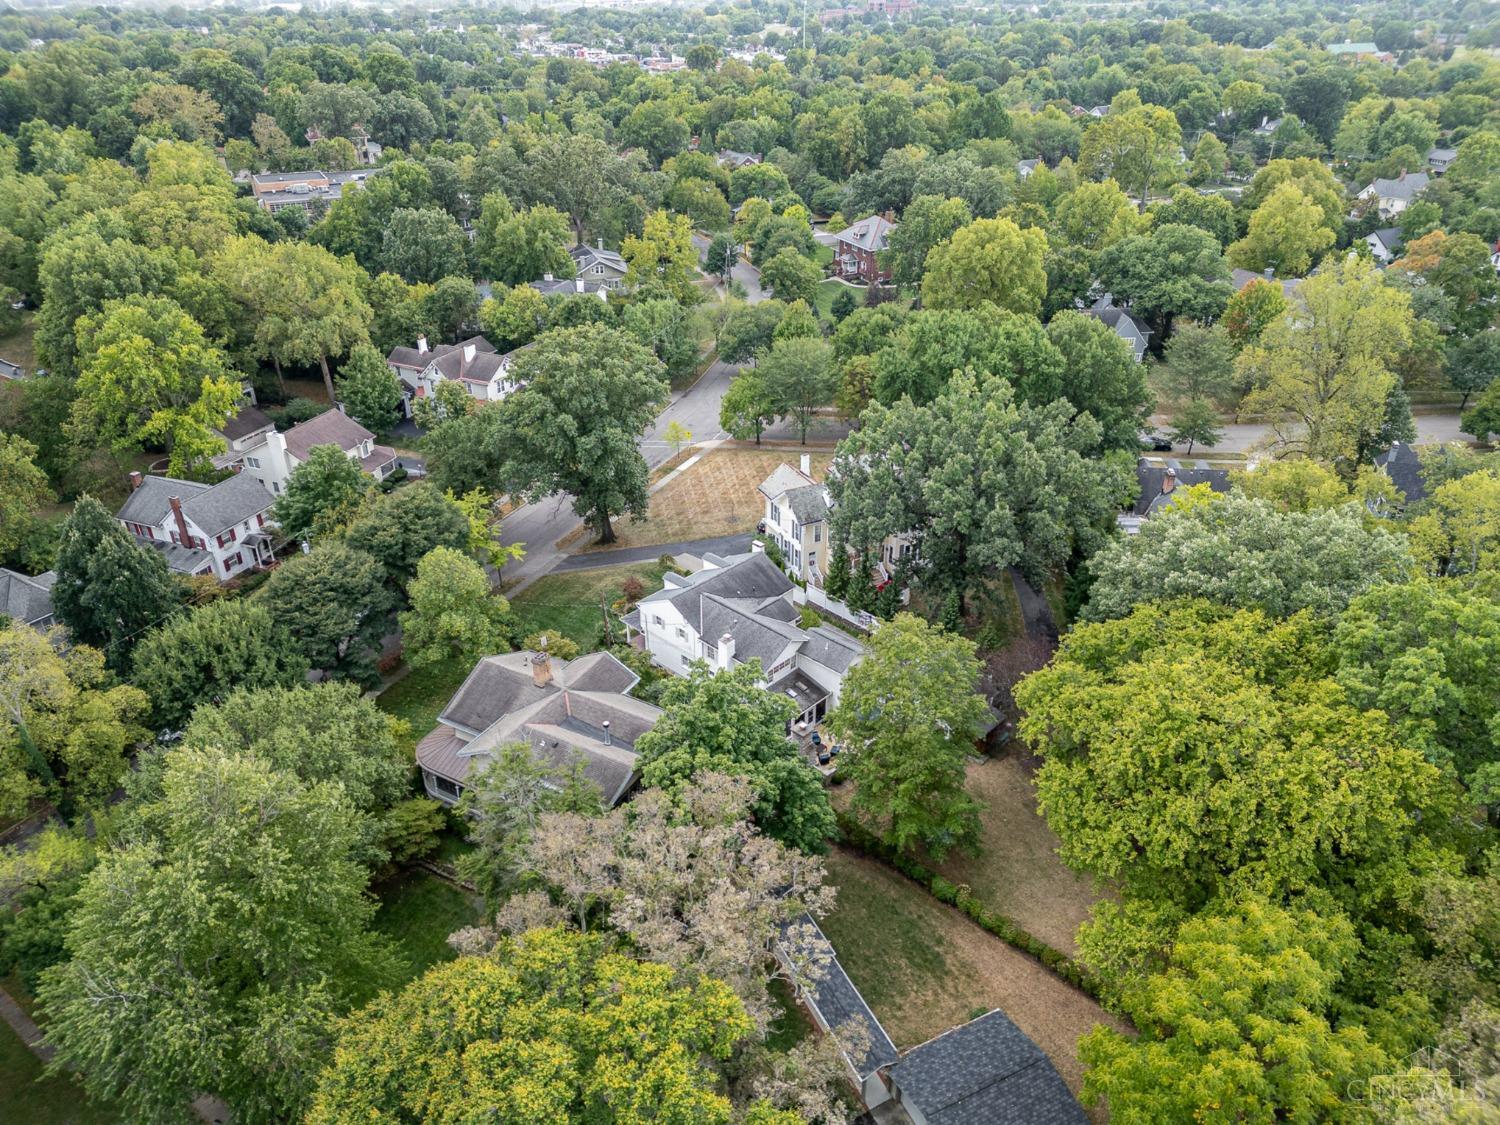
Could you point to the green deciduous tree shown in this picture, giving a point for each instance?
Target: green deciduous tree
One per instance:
(1293, 486)
(1094, 216)
(1102, 378)
(587, 1034)
(399, 528)
(746, 409)
(215, 952)
(1133, 146)
(424, 244)
(369, 391)
(990, 260)
(590, 394)
(798, 378)
(908, 719)
(1458, 533)
(726, 723)
(200, 656)
(66, 729)
(927, 221)
(1287, 234)
(148, 376)
(1242, 1023)
(514, 247)
(452, 610)
(23, 492)
(668, 329)
(1175, 271)
(790, 276)
(335, 603)
(663, 254)
(322, 493)
(1240, 551)
(109, 589)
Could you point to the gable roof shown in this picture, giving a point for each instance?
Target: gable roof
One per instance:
(583, 715)
(872, 233)
(834, 997)
(26, 599)
(987, 1072)
(1406, 186)
(597, 255)
(332, 427)
(1241, 278)
(1125, 326)
(1152, 476)
(1389, 238)
(212, 507)
(1401, 463)
(249, 420)
(783, 479)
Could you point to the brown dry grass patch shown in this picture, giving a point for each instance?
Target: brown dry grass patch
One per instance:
(1017, 871)
(717, 496)
(923, 967)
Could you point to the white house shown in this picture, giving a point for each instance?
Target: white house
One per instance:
(474, 362)
(1384, 244)
(1438, 159)
(568, 711)
(737, 609)
(1024, 168)
(1391, 197)
(796, 520)
(25, 599)
(212, 529)
(276, 456)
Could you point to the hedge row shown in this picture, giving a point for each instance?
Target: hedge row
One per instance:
(862, 839)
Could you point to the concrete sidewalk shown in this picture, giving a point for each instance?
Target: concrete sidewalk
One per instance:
(594, 560)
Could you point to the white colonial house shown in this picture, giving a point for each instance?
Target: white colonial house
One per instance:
(796, 520)
(737, 609)
(474, 362)
(1391, 197)
(201, 529)
(275, 456)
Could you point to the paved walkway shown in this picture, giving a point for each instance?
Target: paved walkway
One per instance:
(593, 560)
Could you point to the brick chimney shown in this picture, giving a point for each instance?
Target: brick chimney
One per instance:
(182, 528)
(541, 665)
(1169, 482)
(135, 479)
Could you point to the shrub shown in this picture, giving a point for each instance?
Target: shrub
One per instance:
(412, 827)
(633, 590)
(554, 642)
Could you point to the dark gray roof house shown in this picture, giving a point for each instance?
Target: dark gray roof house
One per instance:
(872, 233)
(1438, 159)
(1159, 482)
(1125, 326)
(550, 286)
(595, 263)
(987, 1072)
(1401, 463)
(25, 599)
(1384, 244)
(566, 711)
(1241, 278)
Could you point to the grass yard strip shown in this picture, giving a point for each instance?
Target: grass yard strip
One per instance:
(418, 911)
(717, 496)
(27, 1098)
(924, 967)
(569, 602)
(420, 695)
(1017, 872)
(20, 346)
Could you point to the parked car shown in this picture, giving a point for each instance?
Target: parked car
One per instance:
(1155, 442)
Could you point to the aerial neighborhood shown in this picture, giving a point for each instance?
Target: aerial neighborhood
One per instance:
(914, 563)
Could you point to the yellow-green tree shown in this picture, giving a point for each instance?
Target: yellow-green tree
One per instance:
(1321, 371)
(1459, 533)
(663, 253)
(989, 261)
(1096, 215)
(452, 610)
(1287, 234)
(551, 1028)
(1133, 146)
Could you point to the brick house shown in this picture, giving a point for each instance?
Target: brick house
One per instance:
(856, 255)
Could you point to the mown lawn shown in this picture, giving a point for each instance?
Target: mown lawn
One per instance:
(28, 1099)
(569, 602)
(418, 911)
(420, 696)
(828, 290)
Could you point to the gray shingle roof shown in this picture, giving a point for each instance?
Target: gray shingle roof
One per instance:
(1401, 463)
(872, 233)
(1389, 237)
(1405, 187)
(587, 256)
(26, 599)
(783, 479)
(248, 421)
(808, 503)
(213, 508)
(1152, 476)
(987, 1072)
(831, 648)
(838, 1002)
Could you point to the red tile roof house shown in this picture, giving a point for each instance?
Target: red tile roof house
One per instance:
(273, 457)
(856, 256)
(474, 362)
(202, 529)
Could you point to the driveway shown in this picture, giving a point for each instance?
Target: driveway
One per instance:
(593, 560)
